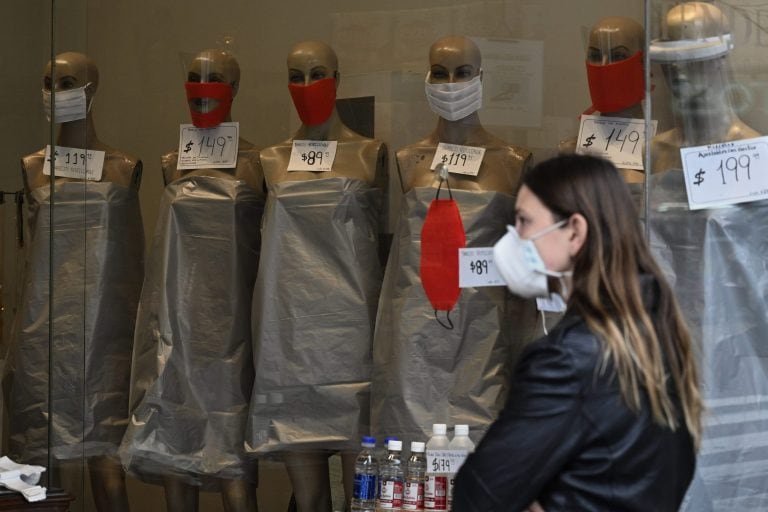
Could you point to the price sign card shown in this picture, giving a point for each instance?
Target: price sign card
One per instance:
(618, 139)
(208, 148)
(459, 159)
(726, 173)
(445, 461)
(75, 163)
(312, 155)
(476, 268)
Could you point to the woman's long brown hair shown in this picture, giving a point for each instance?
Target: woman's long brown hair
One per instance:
(647, 353)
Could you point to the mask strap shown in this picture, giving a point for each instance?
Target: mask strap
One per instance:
(441, 170)
(543, 322)
(448, 319)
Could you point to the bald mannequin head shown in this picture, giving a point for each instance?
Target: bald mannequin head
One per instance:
(73, 70)
(614, 39)
(215, 65)
(695, 20)
(310, 61)
(453, 59)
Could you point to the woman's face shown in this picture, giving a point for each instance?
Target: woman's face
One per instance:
(532, 217)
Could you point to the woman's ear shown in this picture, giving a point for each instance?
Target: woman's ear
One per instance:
(579, 232)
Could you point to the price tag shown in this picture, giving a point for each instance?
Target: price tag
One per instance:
(726, 173)
(208, 148)
(618, 139)
(312, 155)
(75, 163)
(445, 461)
(476, 268)
(459, 159)
(553, 304)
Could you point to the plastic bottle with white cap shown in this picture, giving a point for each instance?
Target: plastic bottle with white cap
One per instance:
(436, 485)
(460, 446)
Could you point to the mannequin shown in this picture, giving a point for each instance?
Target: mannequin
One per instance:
(317, 289)
(613, 40)
(423, 373)
(98, 267)
(714, 258)
(192, 363)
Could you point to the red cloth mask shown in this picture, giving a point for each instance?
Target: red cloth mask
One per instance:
(210, 90)
(442, 235)
(616, 86)
(314, 102)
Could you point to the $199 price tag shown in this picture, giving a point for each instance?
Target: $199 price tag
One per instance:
(312, 155)
(726, 173)
(618, 139)
(476, 268)
(459, 159)
(208, 148)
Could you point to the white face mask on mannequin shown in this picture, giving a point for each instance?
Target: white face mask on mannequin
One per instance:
(71, 104)
(521, 266)
(454, 101)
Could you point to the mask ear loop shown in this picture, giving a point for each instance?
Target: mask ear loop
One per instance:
(448, 318)
(543, 322)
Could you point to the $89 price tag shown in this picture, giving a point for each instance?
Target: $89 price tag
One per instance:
(208, 148)
(476, 268)
(618, 139)
(726, 173)
(459, 159)
(312, 155)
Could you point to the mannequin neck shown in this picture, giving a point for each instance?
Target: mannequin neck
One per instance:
(467, 131)
(331, 129)
(79, 134)
(632, 112)
(708, 117)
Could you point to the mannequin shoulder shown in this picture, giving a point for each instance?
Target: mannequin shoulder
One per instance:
(122, 168)
(32, 170)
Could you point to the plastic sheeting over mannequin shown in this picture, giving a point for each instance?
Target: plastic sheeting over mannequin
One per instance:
(313, 313)
(423, 373)
(98, 250)
(192, 369)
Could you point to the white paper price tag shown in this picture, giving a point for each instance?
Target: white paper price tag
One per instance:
(618, 139)
(208, 148)
(726, 173)
(312, 155)
(445, 461)
(476, 268)
(459, 159)
(75, 163)
(552, 304)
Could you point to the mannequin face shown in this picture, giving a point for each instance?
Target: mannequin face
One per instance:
(614, 39)
(311, 61)
(453, 59)
(213, 66)
(73, 70)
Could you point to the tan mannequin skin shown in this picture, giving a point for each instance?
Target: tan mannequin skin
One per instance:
(703, 113)
(457, 59)
(215, 66)
(75, 70)
(357, 157)
(626, 37)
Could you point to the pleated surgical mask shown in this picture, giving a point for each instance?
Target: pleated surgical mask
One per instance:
(71, 104)
(454, 101)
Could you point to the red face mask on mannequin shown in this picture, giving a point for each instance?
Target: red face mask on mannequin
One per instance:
(314, 102)
(210, 90)
(616, 86)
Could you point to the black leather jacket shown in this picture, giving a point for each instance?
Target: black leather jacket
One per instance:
(567, 439)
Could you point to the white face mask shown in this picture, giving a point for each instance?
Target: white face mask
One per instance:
(71, 105)
(454, 101)
(521, 266)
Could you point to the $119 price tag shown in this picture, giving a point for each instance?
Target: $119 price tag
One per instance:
(208, 148)
(459, 159)
(476, 268)
(312, 155)
(75, 163)
(618, 139)
(726, 173)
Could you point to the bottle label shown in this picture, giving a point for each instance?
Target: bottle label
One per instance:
(364, 487)
(451, 480)
(413, 496)
(391, 495)
(435, 492)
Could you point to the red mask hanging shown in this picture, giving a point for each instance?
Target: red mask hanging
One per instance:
(442, 235)
(616, 86)
(314, 102)
(209, 90)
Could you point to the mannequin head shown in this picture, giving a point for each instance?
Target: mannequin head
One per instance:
(453, 59)
(213, 79)
(614, 39)
(313, 77)
(73, 70)
(213, 65)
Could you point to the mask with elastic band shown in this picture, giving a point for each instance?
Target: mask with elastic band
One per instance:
(71, 105)
(454, 101)
(207, 91)
(314, 102)
(618, 85)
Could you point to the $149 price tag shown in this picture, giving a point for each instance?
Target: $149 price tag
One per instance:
(618, 139)
(726, 173)
(208, 148)
(312, 155)
(75, 163)
(459, 159)
(476, 268)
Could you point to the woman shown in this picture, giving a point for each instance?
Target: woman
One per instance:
(604, 412)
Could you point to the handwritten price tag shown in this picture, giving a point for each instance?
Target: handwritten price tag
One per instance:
(312, 155)
(459, 159)
(476, 268)
(618, 139)
(208, 148)
(726, 173)
(445, 461)
(75, 163)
